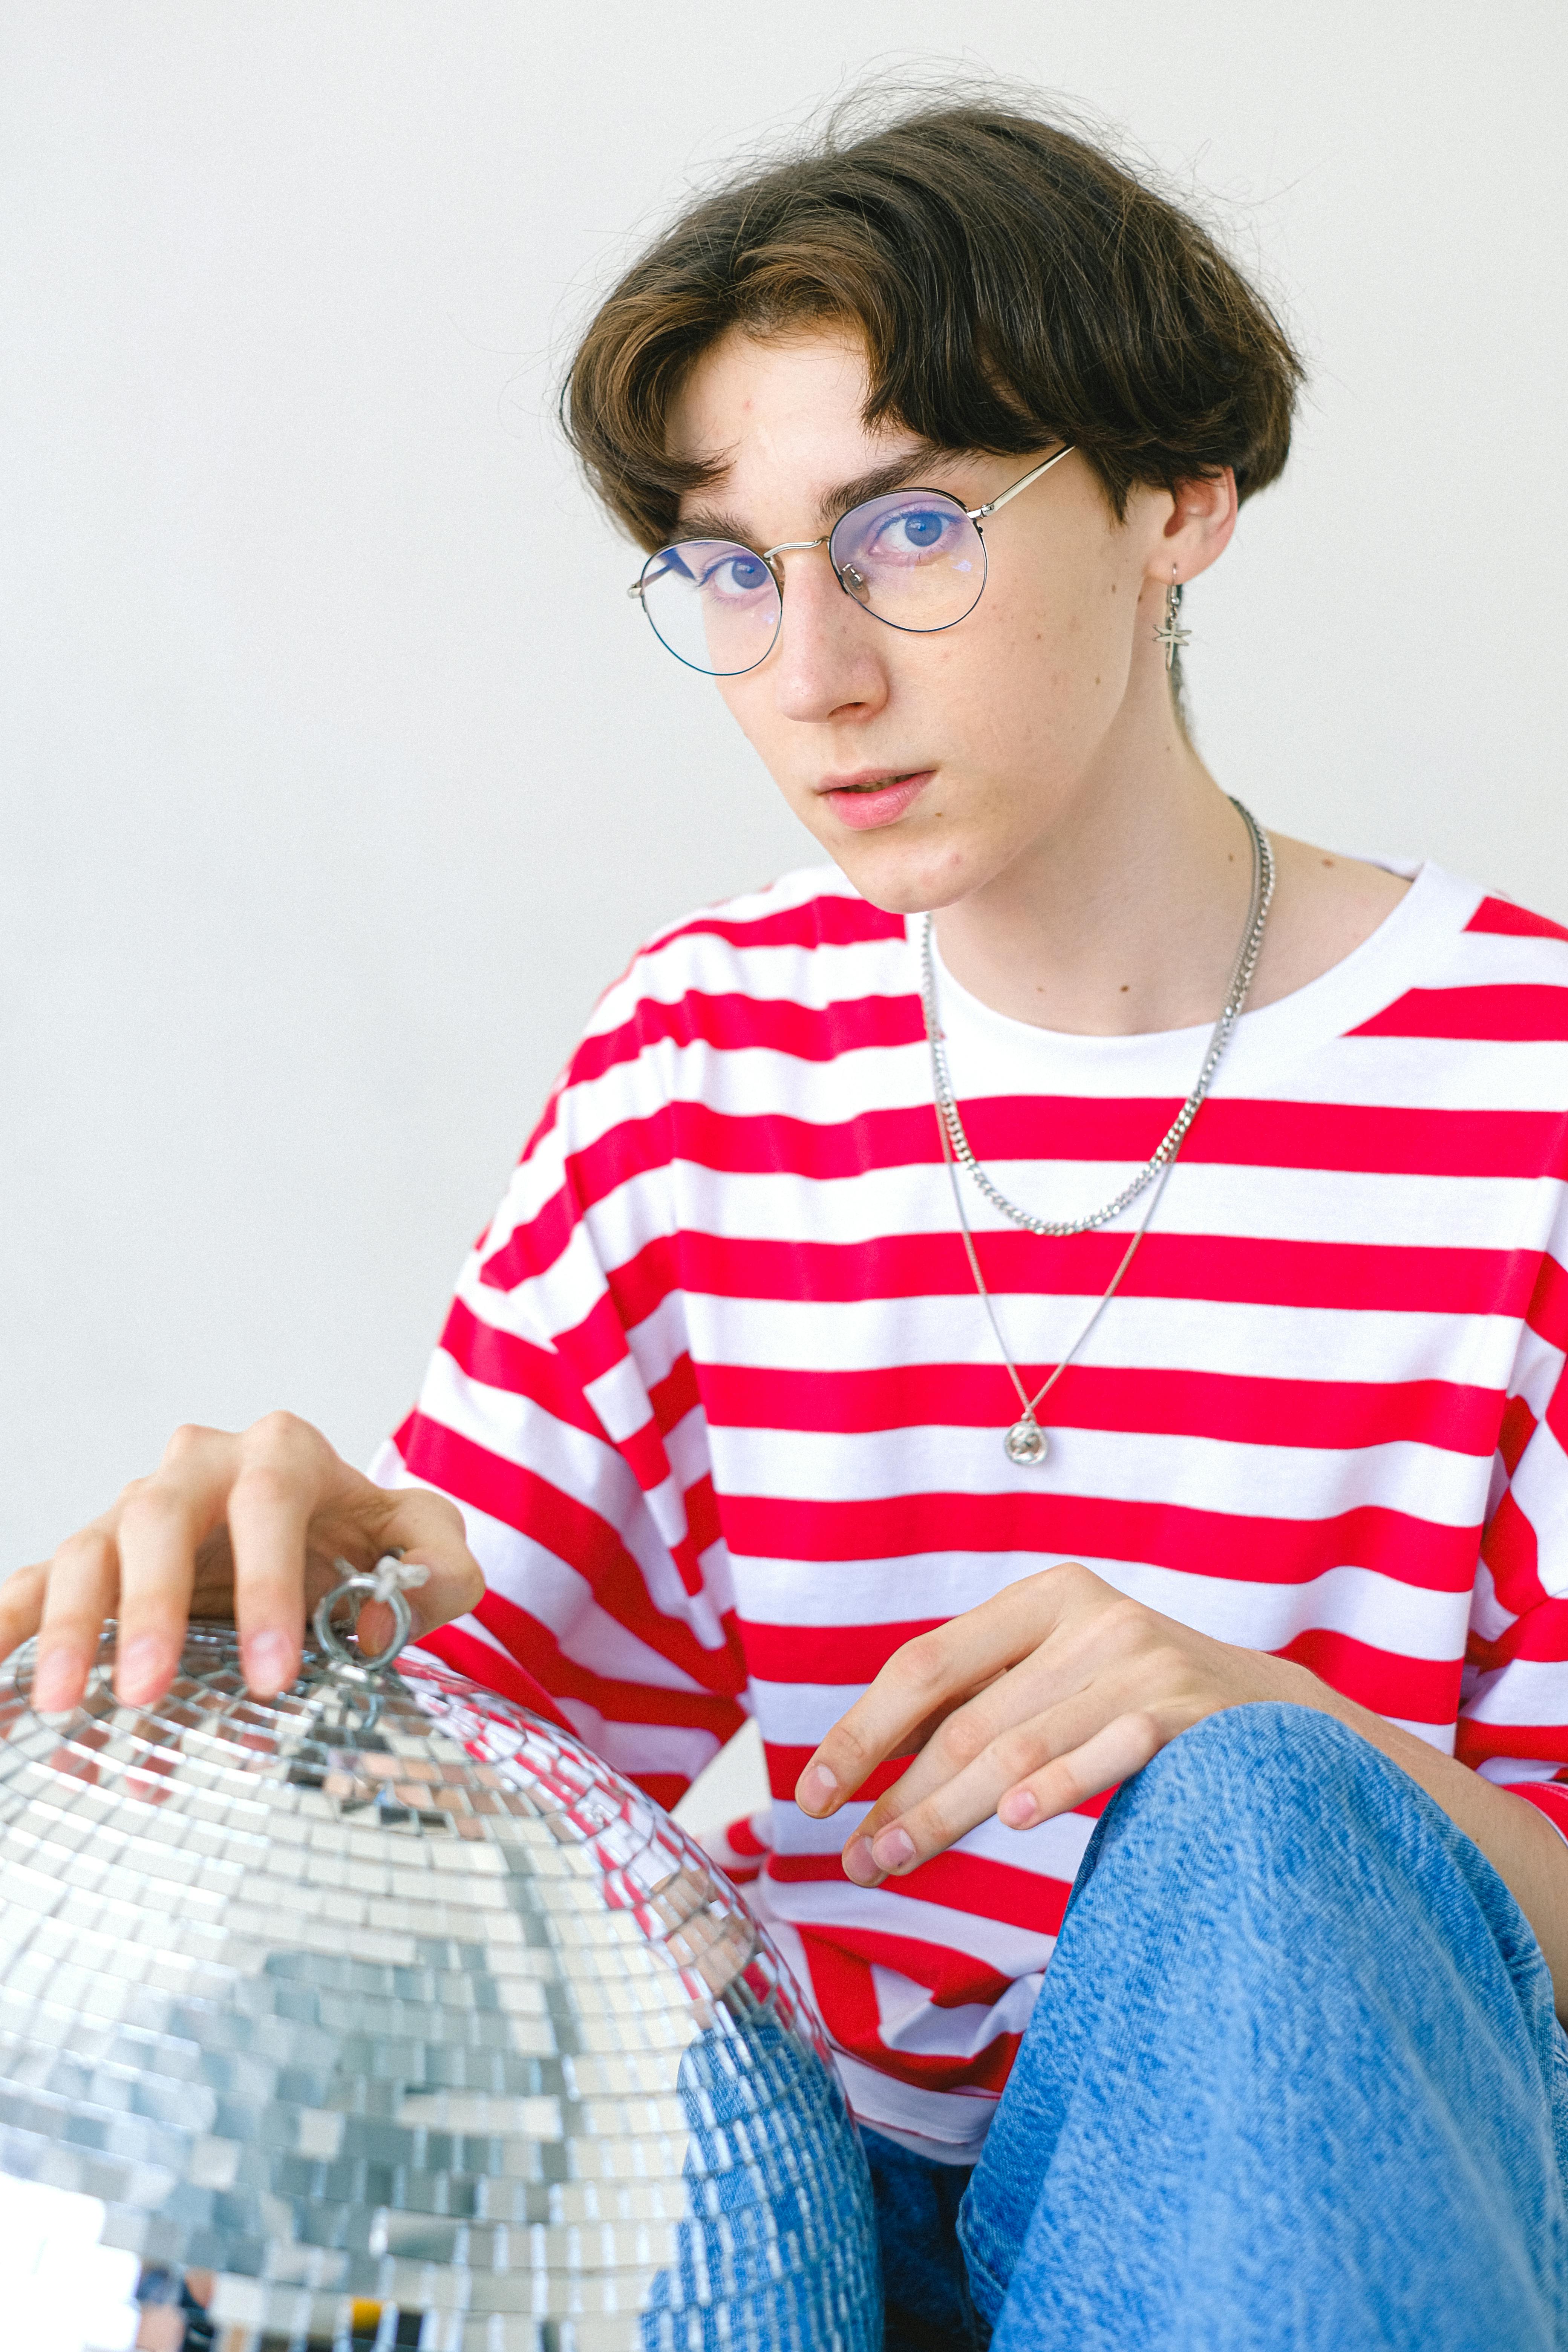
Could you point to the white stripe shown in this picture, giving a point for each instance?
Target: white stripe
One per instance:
(1307, 1343)
(1360, 1602)
(1277, 1482)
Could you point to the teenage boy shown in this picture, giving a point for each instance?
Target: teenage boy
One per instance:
(1061, 1312)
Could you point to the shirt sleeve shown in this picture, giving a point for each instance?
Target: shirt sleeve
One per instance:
(561, 1413)
(1513, 1713)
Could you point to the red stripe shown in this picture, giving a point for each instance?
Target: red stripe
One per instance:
(1547, 1313)
(641, 1284)
(830, 921)
(957, 1882)
(824, 1653)
(1330, 1274)
(1509, 1549)
(1502, 916)
(786, 1765)
(738, 1023)
(1542, 1636)
(665, 1788)
(1390, 1139)
(643, 1453)
(676, 1396)
(1348, 1275)
(1540, 1743)
(1551, 1799)
(1506, 1011)
(954, 1979)
(1518, 1429)
(1237, 1408)
(492, 1671)
(846, 1996)
(501, 1360)
(1069, 1526)
(526, 1636)
(1423, 1690)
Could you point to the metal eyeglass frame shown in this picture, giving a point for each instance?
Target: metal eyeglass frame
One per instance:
(976, 515)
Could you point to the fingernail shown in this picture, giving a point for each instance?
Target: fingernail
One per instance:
(54, 1682)
(859, 1865)
(1018, 1809)
(818, 1786)
(893, 1849)
(142, 1666)
(268, 1662)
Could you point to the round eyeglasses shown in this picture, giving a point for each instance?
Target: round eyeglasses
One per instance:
(914, 559)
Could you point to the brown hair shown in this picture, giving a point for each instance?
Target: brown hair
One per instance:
(1014, 284)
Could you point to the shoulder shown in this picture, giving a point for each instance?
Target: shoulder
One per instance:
(806, 936)
(806, 967)
(815, 906)
(1477, 966)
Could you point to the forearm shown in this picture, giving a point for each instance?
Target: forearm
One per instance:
(1518, 1841)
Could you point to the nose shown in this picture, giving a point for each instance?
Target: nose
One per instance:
(827, 663)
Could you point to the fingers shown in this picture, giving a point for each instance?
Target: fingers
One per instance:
(924, 1679)
(430, 1533)
(276, 1489)
(161, 1524)
(243, 1523)
(1111, 1757)
(22, 1604)
(1028, 1773)
(77, 1596)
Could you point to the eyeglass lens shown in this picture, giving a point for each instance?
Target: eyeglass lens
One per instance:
(911, 558)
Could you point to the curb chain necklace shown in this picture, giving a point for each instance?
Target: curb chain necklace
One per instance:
(1027, 1442)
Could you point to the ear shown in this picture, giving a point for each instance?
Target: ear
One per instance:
(1198, 529)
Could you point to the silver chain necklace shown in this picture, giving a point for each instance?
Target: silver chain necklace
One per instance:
(1026, 1442)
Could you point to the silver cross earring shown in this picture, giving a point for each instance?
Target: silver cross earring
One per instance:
(1173, 636)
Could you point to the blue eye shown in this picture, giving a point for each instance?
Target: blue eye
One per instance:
(737, 574)
(903, 536)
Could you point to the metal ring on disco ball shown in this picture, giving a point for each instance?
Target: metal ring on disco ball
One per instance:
(357, 1666)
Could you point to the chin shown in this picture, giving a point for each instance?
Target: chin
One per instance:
(911, 877)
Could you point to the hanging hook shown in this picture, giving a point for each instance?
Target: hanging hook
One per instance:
(387, 1582)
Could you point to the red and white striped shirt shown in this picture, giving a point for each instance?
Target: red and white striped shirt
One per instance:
(725, 1414)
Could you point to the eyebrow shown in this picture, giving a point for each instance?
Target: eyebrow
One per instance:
(898, 474)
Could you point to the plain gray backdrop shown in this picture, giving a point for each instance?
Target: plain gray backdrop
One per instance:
(338, 775)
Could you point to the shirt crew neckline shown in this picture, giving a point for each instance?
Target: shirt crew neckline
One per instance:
(1436, 908)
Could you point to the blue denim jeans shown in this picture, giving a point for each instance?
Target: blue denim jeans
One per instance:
(1294, 2080)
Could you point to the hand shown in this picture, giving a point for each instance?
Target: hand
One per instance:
(1055, 1690)
(243, 1528)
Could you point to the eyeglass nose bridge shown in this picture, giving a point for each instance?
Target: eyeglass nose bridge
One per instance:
(849, 579)
(790, 547)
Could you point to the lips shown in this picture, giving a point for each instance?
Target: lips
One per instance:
(873, 796)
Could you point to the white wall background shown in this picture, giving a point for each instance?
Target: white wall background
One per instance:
(337, 774)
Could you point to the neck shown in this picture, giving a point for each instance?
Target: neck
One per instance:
(1124, 915)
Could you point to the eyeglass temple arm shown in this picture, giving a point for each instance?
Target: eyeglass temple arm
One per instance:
(992, 506)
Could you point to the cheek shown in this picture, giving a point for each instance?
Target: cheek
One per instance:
(752, 707)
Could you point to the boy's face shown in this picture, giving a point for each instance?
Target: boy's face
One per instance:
(1005, 721)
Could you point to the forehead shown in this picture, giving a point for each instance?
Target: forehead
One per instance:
(786, 414)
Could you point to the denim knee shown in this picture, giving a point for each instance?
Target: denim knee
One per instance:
(1266, 1768)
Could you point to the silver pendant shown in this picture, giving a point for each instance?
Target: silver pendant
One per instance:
(1027, 1442)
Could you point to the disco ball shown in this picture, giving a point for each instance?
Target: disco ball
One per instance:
(384, 2014)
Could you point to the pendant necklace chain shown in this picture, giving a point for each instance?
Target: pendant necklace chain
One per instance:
(1026, 1442)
